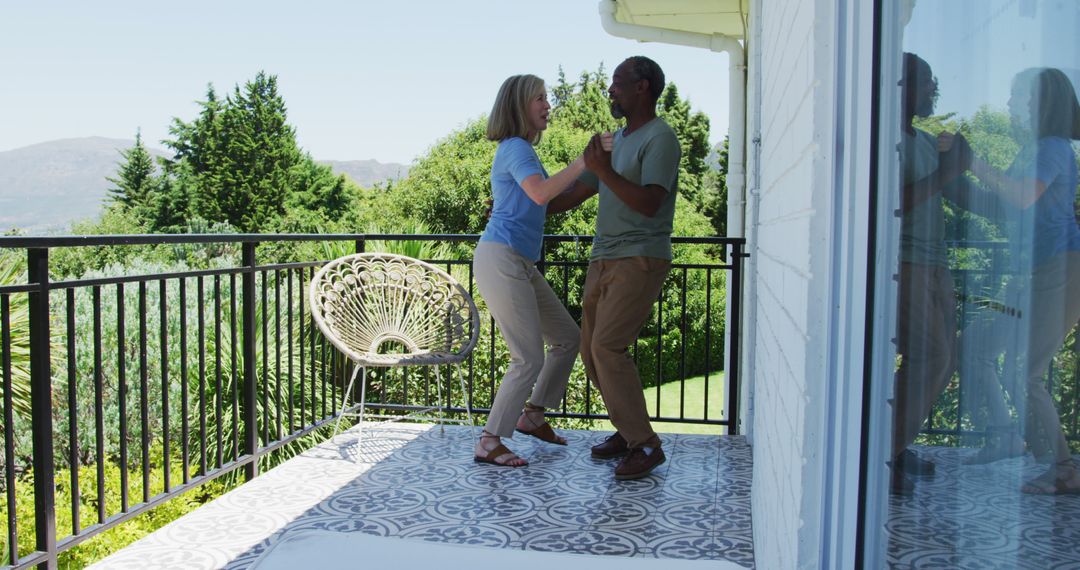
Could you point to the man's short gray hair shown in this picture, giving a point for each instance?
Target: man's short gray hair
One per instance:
(647, 69)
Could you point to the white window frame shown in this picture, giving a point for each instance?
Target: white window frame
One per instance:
(845, 448)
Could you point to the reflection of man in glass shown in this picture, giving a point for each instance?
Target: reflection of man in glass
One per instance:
(926, 339)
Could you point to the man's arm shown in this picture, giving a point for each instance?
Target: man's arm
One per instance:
(645, 200)
(571, 198)
(917, 192)
(954, 157)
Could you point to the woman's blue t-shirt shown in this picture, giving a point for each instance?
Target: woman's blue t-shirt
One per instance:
(515, 220)
(1054, 228)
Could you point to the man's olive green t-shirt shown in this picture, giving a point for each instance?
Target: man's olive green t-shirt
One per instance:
(649, 155)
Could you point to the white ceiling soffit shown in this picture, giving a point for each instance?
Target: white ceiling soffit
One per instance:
(726, 17)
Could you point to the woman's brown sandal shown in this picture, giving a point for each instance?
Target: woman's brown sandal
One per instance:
(542, 431)
(500, 450)
(1051, 482)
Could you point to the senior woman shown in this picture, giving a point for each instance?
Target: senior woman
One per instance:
(519, 298)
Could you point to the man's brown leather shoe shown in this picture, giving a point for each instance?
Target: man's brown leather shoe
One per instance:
(613, 446)
(639, 464)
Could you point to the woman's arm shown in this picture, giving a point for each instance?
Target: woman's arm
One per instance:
(542, 191)
(969, 196)
(1022, 193)
(1018, 192)
(571, 198)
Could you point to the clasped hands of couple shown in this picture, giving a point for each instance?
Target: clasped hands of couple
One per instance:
(956, 153)
(597, 155)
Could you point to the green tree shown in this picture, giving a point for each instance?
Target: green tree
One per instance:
(13, 272)
(135, 178)
(583, 105)
(198, 156)
(692, 129)
(169, 204)
(990, 133)
(239, 162)
(319, 190)
(446, 188)
(701, 185)
(714, 190)
(70, 262)
(258, 151)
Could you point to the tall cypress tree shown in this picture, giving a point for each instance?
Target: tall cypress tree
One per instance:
(169, 206)
(197, 159)
(714, 190)
(692, 129)
(238, 155)
(584, 105)
(135, 179)
(258, 151)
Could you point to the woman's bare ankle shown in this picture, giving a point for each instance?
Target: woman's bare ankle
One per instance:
(533, 416)
(488, 441)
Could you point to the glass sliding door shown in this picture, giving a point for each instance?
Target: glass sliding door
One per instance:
(975, 409)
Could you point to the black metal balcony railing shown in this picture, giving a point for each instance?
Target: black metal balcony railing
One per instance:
(216, 376)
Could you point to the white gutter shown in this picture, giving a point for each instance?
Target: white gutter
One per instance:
(736, 175)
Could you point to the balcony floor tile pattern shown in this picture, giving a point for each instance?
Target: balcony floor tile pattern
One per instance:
(412, 481)
(974, 516)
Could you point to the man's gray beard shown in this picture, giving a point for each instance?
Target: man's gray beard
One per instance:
(617, 111)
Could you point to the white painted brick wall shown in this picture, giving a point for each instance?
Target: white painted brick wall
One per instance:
(791, 249)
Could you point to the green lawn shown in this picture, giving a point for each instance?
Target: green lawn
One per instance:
(694, 406)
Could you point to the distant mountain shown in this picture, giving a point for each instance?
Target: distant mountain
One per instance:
(47, 186)
(368, 172)
(44, 187)
(713, 159)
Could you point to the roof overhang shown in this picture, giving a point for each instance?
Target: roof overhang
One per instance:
(724, 17)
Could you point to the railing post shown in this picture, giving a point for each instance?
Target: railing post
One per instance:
(734, 334)
(249, 394)
(541, 265)
(41, 406)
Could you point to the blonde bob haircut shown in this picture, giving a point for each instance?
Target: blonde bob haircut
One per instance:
(508, 116)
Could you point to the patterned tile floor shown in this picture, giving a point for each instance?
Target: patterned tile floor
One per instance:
(409, 481)
(973, 516)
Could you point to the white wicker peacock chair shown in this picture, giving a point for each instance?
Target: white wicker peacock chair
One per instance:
(369, 303)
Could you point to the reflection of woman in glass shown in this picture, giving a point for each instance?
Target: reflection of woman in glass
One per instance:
(1042, 183)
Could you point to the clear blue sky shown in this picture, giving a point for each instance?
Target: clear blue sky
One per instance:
(362, 80)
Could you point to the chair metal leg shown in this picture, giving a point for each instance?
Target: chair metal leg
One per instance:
(345, 401)
(465, 396)
(438, 389)
(363, 402)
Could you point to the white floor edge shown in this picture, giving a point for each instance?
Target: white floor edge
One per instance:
(328, 549)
